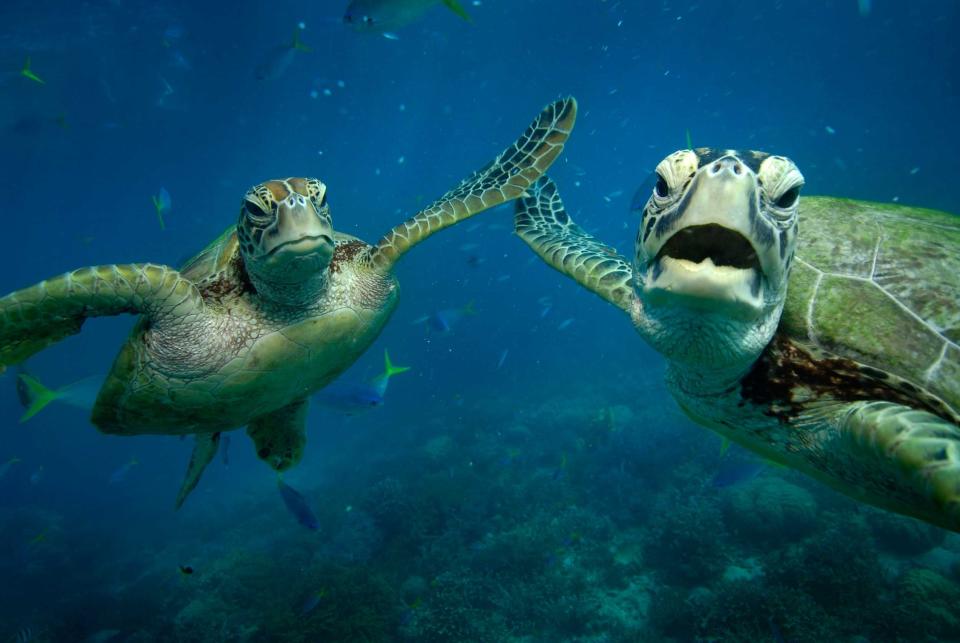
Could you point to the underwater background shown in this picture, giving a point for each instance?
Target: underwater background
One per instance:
(529, 479)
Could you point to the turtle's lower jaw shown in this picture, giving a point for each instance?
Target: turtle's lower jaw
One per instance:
(704, 285)
(303, 246)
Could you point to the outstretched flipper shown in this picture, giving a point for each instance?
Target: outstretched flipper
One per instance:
(505, 178)
(34, 318)
(280, 437)
(546, 227)
(204, 449)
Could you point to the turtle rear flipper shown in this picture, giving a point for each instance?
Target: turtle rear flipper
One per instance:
(545, 226)
(36, 317)
(205, 447)
(280, 437)
(906, 460)
(505, 178)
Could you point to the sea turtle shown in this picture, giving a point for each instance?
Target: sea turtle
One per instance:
(832, 351)
(270, 312)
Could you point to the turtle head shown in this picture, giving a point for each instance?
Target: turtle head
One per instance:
(286, 237)
(713, 253)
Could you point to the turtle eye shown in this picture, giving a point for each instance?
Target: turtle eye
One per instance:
(254, 211)
(661, 189)
(789, 198)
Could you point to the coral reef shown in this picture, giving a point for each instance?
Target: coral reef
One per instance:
(770, 508)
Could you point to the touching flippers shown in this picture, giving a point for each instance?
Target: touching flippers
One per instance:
(205, 448)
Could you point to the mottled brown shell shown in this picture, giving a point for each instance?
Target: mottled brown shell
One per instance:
(880, 284)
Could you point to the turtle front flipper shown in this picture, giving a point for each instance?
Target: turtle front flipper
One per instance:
(280, 437)
(900, 458)
(205, 447)
(36, 317)
(505, 178)
(545, 226)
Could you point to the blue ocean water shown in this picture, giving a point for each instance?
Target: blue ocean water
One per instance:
(530, 478)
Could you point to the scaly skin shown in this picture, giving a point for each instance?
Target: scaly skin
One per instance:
(266, 315)
(855, 384)
(246, 356)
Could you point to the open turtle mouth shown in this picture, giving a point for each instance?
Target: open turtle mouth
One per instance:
(723, 246)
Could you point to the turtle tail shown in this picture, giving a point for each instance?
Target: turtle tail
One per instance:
(505, 178)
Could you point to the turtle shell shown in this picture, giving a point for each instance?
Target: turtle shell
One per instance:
(880, 284)
(213, 259)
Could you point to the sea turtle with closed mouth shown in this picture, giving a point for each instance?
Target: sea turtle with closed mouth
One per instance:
(270, 312)
(821, 333)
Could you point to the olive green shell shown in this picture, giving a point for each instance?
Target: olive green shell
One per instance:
(880, 284)
(212, 259)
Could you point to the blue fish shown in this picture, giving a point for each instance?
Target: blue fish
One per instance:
(734, 471)
(277, 60)
(443, 321)
(383, 16)
(161, 202)
(297, 505)
(34, 395)
(121, 473)
(5, 467)
(312, 601)
(225, 449)
(643, 193)
(354, 398)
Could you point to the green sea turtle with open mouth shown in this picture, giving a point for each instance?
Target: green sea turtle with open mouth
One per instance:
(821, 335)
(270, 312)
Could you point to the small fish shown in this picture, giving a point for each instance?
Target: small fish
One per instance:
(775, 631)
(475, 261)
(503, 358)
(24, 635)
(5, 467)
(864, 7)
(162, 204)
(724, 446)
(689, 141)
(642, 195)
(121, 473)
(312, 601)
(384, 16)
(297, 505)
(102, 636)
(276, 61)
(565, 324)
(39, 538)
(26, 72)
(351, 399)
(469, 247)
(734, 471)
(36, 476)
(561, 469)
(186, 570)
(225, 449)
(34, 396)
(443, 321)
